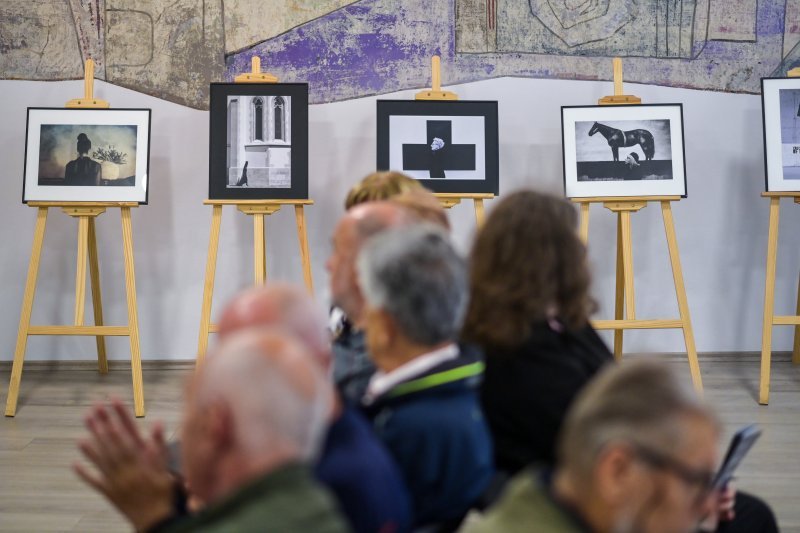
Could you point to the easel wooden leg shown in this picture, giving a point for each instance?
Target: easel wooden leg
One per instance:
(259, 250)
(627, 262)
(584, 227)
(80, 271)
(97, 301)
(208, 286)
(619, 301)
(305, 256)
(796, 348)
(769, 300)
(680, 291)
(133, 318)
(25, 313)
(479, 216)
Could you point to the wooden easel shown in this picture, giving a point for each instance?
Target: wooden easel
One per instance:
(449, 200)
(770, 318)
(85, 212)
(624, 298)
(257, 209)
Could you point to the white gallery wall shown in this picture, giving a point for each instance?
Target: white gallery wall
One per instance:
(721, 227)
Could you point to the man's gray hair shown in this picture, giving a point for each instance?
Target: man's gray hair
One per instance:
(641, 403)
(416, 276)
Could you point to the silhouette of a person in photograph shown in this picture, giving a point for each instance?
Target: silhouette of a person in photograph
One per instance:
(243, 180)
(83, 170)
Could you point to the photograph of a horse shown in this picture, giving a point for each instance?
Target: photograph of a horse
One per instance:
(623, 150)
(622, 139)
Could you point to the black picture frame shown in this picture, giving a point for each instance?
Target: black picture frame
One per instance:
(778, 175)
(249, 145)
(387, 148)
(644, 176)
(112, 137)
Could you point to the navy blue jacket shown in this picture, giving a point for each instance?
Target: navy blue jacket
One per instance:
(363, 477)
(434, 428)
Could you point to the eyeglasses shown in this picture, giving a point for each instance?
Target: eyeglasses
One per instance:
(702, 479)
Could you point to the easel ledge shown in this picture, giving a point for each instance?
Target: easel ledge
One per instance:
(258, 202)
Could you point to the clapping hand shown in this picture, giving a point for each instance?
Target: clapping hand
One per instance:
(131, 471)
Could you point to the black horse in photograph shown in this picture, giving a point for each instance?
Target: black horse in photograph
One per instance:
(623, 139)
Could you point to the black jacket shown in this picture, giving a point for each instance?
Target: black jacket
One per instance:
(526, 392)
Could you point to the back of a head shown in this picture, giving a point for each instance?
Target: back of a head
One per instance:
(278, 305)
(640, 403)
(380, 186)
(415, 275)
(275, 391)
(527, 265)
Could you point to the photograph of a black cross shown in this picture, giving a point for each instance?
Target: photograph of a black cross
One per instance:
(436, 157)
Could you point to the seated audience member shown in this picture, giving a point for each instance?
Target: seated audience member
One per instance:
(352, 367)
(423, 400)
(255, 416)
(367, 214)
(381, 185)
(637, 453)
(529, 312)
(353, 463)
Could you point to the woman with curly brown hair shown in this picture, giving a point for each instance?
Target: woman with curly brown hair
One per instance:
(529, 311)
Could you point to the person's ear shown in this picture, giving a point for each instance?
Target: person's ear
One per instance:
(617, 475)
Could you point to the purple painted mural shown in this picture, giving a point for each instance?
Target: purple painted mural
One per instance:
(345, 49)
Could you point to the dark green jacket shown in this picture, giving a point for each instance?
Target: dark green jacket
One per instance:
(287, 500)
(526, 506)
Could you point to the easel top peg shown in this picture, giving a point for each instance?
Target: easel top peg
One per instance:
(88, 101)
(619, 98)
(255, 75)
(436, 92)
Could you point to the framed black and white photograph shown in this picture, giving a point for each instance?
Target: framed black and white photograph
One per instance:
(450, 146)
(625, 150)
(781, 109)
(86, 155)
(259, 141)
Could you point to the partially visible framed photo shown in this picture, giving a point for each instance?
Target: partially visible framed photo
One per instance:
(623, 150)
(780, 98)
(259, 141)
(450, 146)
(87, 155)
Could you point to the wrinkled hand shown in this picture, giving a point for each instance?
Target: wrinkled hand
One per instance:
(131, 470)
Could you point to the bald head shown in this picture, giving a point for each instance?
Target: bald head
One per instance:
(279, 305)
(353, 230)
(257, 402)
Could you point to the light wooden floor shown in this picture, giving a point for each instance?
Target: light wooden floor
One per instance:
(38, 491)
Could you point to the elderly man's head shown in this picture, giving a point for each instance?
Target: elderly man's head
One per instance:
(414, 284)
(637, 452)
(259, 401)
(282, 305)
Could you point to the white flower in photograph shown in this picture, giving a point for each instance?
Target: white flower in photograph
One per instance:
(437, 144)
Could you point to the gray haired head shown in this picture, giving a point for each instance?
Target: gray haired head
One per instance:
(415, 275)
